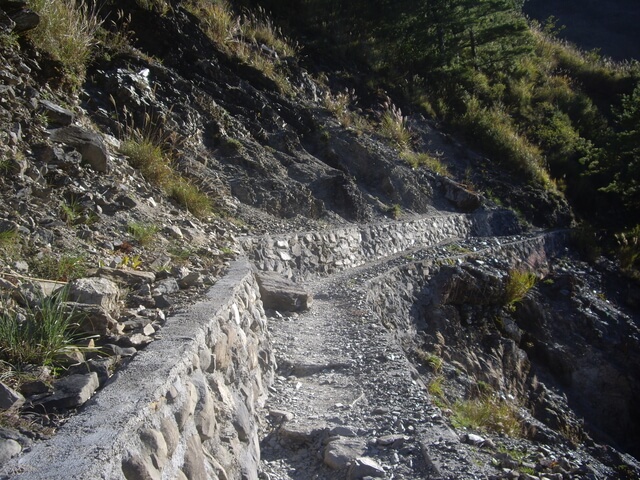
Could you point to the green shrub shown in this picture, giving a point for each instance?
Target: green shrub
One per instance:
(146, 154)
(47, 333)
(67, 32)
(628, 251)
(393, 125)
(67, 267)
(425, 160)
(9, 243)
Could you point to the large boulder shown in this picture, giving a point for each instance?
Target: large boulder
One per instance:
(95, 291)
(88, 143)
(279, 293)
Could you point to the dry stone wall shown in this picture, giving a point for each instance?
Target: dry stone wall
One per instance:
(185, 408)
(300, 255)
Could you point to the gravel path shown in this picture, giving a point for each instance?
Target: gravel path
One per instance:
(345, 390)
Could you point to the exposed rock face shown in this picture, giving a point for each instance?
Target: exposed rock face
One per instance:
(583, 345)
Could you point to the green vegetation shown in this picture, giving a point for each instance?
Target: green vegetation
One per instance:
(147, 150)
(393, 125)
(67, 32)
(487, 412)
(436, 390)
(9, 243)
(519, 282)
(395, 211)
(251, 37)
(64, 268)
(424, 159)
(142, 233)
(191, 198)
(434, 362)
(47, 333)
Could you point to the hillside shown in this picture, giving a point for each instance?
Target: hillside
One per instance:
(147, 145)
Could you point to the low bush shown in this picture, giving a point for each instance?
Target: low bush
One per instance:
(142, 233)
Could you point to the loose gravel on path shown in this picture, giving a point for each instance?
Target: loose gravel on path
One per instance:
(345, 389)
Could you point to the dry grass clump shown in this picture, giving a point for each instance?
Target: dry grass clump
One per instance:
(67, 32)
(519, 282)
(146, 150)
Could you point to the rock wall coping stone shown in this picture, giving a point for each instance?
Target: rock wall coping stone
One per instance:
(185, 407)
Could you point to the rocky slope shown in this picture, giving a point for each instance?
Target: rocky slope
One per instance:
(274, 158)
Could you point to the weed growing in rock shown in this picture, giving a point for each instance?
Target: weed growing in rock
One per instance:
(46, 333)
(145, 154)
(144, 147)
(436, 390)
(519, 282)
(142, 233)
(67, 32)
(395, 211)
(190, 197)
(161, 6)
(71, 211)
(434, 362)
(9, 243)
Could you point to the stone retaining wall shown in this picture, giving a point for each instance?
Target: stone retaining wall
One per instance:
(185, 408)
(394, 295)
(299, 255)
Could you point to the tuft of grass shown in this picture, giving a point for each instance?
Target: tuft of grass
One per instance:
(393, 125)
(67, 267)
(46, 334)
(67, 32)
(142, 233)
(10, 242)
(425, 160)
(628, 250)
(144, 148)
(395, 211)
(146, 155)
(216, 18)
(434, 362)
(190, 197)
(436, 390)
(487, 413)
(71, 211)
(492, 129)
(160, 6)
(519, 282)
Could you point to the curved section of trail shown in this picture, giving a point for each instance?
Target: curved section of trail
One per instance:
(346, 402)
